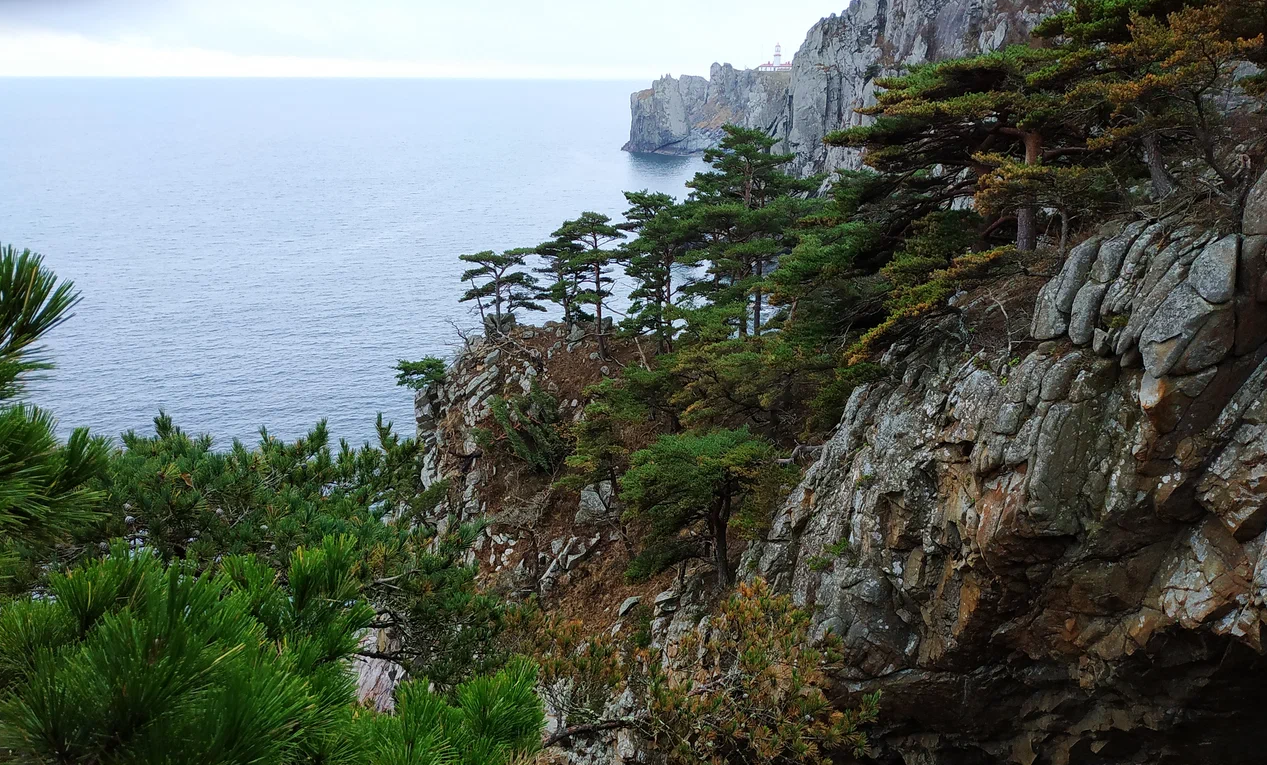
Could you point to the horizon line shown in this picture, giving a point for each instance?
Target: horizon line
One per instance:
(454, 78)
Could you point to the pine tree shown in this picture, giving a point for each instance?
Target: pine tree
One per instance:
(652, 259)
(742, 211)
(1175, 93)
(494, 720)
(688, 479)
(504, 288)
(46, 485)
(746, 170)
(133, 661)
(936, 122)
(186, 500)
(591, 233)
(565, 273)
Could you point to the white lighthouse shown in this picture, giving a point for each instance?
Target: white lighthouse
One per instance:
(776, 64)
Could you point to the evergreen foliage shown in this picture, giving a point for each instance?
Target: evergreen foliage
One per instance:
(492, 720)
(186, 500)
(132, 661)
(46, 487)
(654, 260)
(585, 240)
(417, 375)
(686, 480)
(601, 450)
(529, 425)
(504, 288)
(565, 272)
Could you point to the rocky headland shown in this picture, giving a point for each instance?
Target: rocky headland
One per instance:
(685, 115)
(833, 74)
(1052, 509)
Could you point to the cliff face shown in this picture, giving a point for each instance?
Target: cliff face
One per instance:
(1056, 549)
(1055, 511)
(833, 74)
(685, 115)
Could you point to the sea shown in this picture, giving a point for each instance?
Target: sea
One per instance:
(260, 253)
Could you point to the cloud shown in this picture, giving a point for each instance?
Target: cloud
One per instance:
(46, 54)
(482, 38)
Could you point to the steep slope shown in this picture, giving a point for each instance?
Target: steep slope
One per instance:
(1053, 512)
(834, 71)
(833, 74)
(685, 115)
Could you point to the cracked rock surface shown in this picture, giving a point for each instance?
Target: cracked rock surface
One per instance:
(1061, 557)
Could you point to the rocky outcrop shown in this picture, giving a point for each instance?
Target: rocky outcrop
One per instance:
(685, 115)
(833, 74)
(1058, 556)
(1043, 537)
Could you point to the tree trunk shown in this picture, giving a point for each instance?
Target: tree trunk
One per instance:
(598, 310)
(1163, 183)
(719, 521)
(756, 307)
(497, 305)
(1027, 215)
(663, 326)
(479, 303)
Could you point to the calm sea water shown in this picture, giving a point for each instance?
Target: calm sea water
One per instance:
(261, 252)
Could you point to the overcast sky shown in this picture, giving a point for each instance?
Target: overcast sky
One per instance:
(594, 39)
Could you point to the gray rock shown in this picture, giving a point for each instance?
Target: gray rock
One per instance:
(1143, 310)
(1213, 273)
(1049, 322)
(1102, 342)
(628, 605)
(1254, 222)
(667, 602)
(685, 115)
(1085, 312)
(1181, 320)
(1056, 382)
(1108, 263)
(1212, 343)
(1055, 300)
(596, 505)
(1075, 272)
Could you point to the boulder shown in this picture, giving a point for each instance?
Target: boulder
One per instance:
(1254, 221)
(1055, 300)
(1188, 328)
(1213, 273)
(628, 605)
(597, 505)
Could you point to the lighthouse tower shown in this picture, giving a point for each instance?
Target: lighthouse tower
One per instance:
(776, 64)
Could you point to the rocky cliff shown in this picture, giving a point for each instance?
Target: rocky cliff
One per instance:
(833, 74)
(1053, 512)
(1055, 548)
(685, 115)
